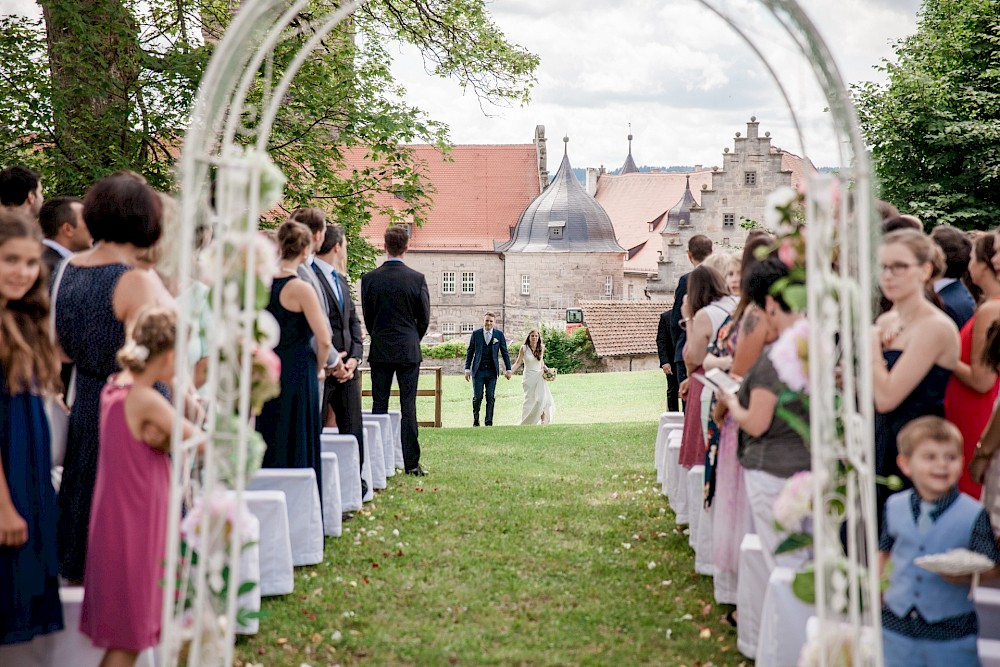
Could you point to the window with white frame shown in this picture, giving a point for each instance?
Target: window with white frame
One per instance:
(631, 292)
(448, 282)
(468, 327)
(525, 285)
(468, 282)
(448, 328)
(609, 286)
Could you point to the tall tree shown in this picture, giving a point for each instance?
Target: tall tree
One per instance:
(100, 85)
(934, 127)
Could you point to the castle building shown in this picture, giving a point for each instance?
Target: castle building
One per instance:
(500, 236)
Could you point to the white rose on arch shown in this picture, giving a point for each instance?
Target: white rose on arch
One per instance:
(268, 332)
(776, 206)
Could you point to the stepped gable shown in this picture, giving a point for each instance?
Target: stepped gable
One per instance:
(564, 218)
(623, 328)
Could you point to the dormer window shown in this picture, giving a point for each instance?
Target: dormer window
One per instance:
(556, 228)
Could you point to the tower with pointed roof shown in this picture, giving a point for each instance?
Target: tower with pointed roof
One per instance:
(629, 166)
(562, 251)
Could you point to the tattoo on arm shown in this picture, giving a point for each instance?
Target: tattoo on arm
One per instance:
(750, 321)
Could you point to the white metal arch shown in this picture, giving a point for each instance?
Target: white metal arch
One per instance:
(223, 124)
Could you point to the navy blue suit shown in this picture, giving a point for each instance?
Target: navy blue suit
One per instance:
(679, 335)
(958, 303)
(484, 366)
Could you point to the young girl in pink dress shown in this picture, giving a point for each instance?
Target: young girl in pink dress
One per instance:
(123, 597)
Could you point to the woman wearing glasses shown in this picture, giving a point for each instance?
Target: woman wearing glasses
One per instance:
(916, 343)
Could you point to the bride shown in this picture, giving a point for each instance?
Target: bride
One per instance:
(538, 406)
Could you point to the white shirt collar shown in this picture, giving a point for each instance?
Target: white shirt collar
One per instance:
(941, 283)
(59, 248)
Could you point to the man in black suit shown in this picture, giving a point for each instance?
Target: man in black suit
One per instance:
(699, 248)
(665, 350)
(955, 297)
(61, 219)
(482, 364)
(342, 395)
(397, 310)
(21, 189)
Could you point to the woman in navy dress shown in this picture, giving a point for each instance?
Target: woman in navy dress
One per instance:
(99, 294)
(917, 344)
(29, 573)
(290, 423)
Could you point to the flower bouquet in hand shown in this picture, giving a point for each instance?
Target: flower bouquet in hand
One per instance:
(549, 374)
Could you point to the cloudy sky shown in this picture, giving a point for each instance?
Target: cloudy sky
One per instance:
(684, 80)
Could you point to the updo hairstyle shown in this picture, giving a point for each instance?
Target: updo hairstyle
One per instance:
(293, 238)
(154, 332)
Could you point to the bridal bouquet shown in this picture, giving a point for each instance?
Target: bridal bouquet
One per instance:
(549, 374)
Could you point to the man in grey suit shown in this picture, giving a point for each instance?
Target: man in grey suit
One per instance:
(315, 220)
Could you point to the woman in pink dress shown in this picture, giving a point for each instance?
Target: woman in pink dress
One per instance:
(972, 389)
(123, 598)
(707, 306)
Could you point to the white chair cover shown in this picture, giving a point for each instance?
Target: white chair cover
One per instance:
(989, 652)
(704, 559)
(305, 515)
(987, 599)
(783, 619)
(677, 485)
(346, 449)
(695, 504)
(397, 421)
(271, 510)
(388, 442)
(753, 579)
(366, 469)
(373, 446)
(332, 504)
(69, 647)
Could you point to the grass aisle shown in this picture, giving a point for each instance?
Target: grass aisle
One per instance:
(536, 546)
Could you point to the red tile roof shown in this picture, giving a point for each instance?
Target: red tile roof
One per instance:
(800, 167)
(481, 191)
(634, 200)
(623, 328)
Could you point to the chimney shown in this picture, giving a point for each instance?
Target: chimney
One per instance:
(591, 186)
(654, 170)
(543, 160)
(697, 167)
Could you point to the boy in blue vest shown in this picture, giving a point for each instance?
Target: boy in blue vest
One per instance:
(928, 620)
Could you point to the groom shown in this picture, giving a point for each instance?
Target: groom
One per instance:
(482, 363)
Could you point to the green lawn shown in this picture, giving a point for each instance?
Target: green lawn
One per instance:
(524, 546)
(584, 398)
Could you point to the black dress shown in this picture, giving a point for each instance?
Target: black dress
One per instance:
(290, 422)
(927, 399)
(91, 335)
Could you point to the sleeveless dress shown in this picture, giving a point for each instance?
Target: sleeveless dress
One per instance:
(969, 410)
(693, 438)
(91, 334)
(927, 399)
(123, 598)
(537, 397)
(29, 574)
(290, 422)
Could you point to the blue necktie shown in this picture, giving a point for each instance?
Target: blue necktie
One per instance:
(336, 290)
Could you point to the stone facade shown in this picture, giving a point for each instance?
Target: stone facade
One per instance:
(556, 281)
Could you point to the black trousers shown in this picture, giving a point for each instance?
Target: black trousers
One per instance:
(485, 379)
(673, 392)
(407, 376)
(344, 398)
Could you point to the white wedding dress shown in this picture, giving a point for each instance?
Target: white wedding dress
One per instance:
(538, 406)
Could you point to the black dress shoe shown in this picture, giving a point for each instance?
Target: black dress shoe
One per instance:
(364, 488)
(418, 471)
